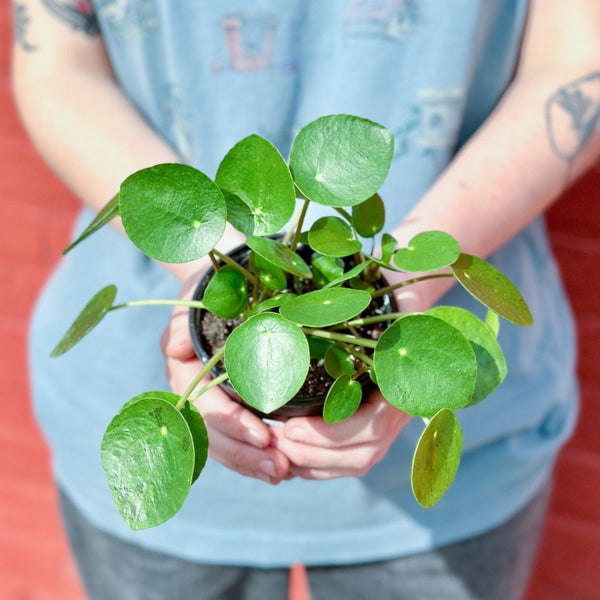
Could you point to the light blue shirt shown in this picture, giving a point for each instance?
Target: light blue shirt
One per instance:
(204, 75)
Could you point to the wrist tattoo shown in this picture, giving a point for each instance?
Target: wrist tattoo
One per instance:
(79, 14)
(572, 113)
(21, 23)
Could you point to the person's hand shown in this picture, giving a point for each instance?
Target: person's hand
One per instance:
(238, 439)
(350, 448)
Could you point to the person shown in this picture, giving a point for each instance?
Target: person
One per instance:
(494, 108)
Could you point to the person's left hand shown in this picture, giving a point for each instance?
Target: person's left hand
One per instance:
(350, 448)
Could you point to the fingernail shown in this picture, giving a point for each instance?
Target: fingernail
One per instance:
(296, 434)
(267, 467)
(253, 437)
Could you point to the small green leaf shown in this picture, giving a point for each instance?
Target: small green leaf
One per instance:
(351, 274)
(491, 365)
(255, 173)
(492, 288)
(424, 364)
(492, 321)
(325, 307)
(270, 275)
(333, 237)
(388, 245)
(274, 302)
(318, 346)
(436, 458)
(338, 362)
(108, 212)
(428, 251)
(93, 312)
(148, 458)
(172, 212)
(343, 399)
(267, 359)
(341, 160)
(368, 217)
(329, 266)
(279, 255)
(226, 294)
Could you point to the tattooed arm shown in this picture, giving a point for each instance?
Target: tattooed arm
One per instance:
(542, 135)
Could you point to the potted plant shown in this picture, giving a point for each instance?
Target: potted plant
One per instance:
(314, 296)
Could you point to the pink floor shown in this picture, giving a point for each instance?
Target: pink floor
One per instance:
(36, 212)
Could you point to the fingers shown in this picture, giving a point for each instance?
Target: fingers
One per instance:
(175, 341)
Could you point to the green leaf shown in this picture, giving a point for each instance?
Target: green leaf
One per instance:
(343, 399)
(108, 212)
(226, 294)
(388, 245)
(172, 212)
(333, 237)
(325, 307)
(491, 365)
(279, 255)
(338, 362)
(270, 275)
(148, 458)
(428, 251)
(256, 174)
(368, 217)
(436, 458)
(194, 421)
(274, 302)
(341, 160)
(424, 364)
(351, 274)
(492, 321)
(267, 359)
(492, 288)
(318, 346)
(328, 266)
(93, 312)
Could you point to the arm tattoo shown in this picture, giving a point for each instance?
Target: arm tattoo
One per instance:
(79, 14)
(572, 114)
(21, 22)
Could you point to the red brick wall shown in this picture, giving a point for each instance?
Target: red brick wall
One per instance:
(36, 212)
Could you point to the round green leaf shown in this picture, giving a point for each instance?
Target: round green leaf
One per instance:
(436, 458)
(343, 399)
(388, 245)
(428, 251)
(271, 276)
(173, 213)
(492, 288)
(88, 318)
(148, 458)
(255, 173)
(267, 359)
(328, 266)
(492, 321)
(355, 271)
(325, 307)
(341, 160)
(491, 365)
(226, 294)
(194, 421)
(424, 364)
(368, 217)
(338, 362)
(279, 255)
(333, 237)
(318, 346)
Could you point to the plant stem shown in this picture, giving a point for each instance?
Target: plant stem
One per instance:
(190, 303)
(344, 214)
(340, 337)
(226, 259)
(299, 225)
(369, 320)
(211, 384)
(391, 288)
(214, 359)
(366, 359)
(214, 261)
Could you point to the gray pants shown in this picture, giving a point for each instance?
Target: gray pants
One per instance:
(492, 566)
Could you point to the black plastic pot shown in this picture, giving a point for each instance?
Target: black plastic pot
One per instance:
(297, 406)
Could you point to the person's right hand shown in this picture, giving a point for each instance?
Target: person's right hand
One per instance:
(238, 439)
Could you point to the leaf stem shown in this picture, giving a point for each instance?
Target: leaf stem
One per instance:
(362, 356)
(211, 384)
(369, 320)
(190, 303)
(299, 225)
(391, 288)
(340, 337)
(214, 261)
(214, 359)
(226, 259)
